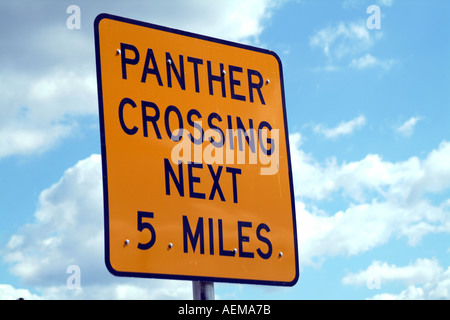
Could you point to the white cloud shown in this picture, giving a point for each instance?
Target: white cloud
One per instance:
(363, 227)
(49, 80)
(8, 292)
(425, 279)
(403, 181)
(366, 61)
(379, 200)
(407, 128)
(68, 230)
(238, 20)
(18, 138)
(386, 3)
(419, 272)
(39, 112)
(68, 217)
(363, 3)
(347, 44)
(369, 61)
(343, 39)
(343, 128)
(388, 199)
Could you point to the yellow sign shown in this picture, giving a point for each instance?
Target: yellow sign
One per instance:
(196, 167)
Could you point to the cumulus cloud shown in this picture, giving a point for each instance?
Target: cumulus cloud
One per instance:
(20, 138)
(404, 181)
(362, 3)
(48, 82)
(407, 128)
(45, 110)
(347, 45)
(363, 227)
(419, 272)
(387, 3)
(8, 292)
(385, 200)
(425, 279)
(380, 199)
(68, 230)
(342, 39)
(369, 61)
(343, 128)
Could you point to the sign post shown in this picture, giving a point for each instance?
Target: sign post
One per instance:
(197, 178)
(203, 290)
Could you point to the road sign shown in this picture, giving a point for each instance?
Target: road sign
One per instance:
(195, 153)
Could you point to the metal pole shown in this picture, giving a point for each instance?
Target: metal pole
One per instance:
(203, 290)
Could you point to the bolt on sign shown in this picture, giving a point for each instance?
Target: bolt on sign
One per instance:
(197, 178)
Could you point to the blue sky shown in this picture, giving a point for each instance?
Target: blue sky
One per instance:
(368, 115)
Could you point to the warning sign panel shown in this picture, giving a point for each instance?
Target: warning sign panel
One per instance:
(195, 153)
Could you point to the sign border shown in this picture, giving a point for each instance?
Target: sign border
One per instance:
(97, 21)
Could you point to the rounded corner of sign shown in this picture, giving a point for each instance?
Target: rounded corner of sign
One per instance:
(111, 268)
(276, 56)
(99, 18)
(294, 280)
